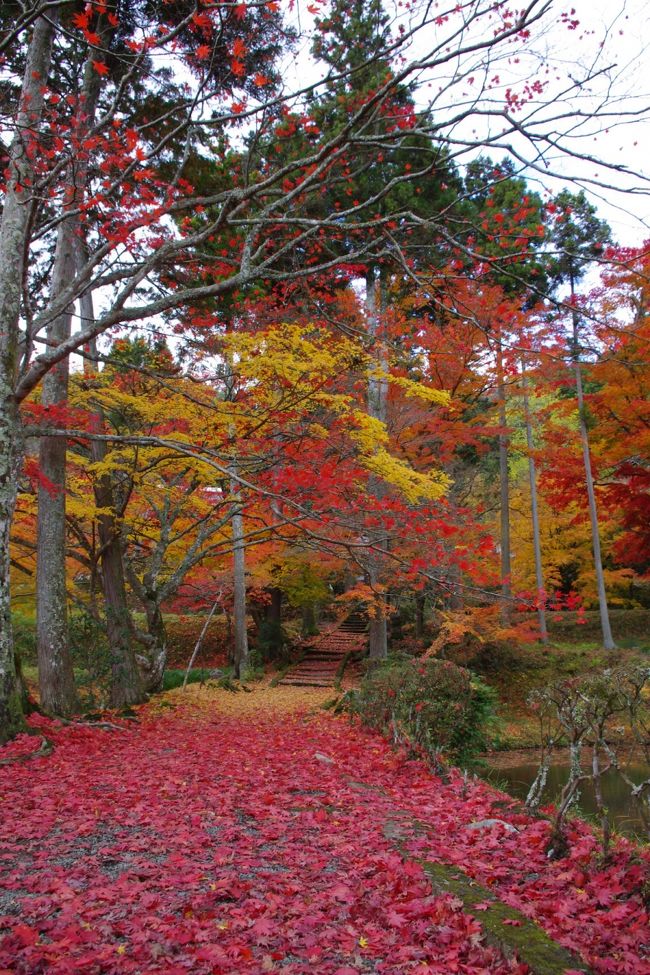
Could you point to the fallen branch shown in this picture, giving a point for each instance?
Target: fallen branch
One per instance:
(46, 748)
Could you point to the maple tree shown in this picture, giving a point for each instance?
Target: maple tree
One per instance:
(166, 158)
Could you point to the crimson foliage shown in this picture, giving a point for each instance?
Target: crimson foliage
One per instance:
(219, 843)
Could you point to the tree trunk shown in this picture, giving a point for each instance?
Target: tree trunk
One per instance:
(419, 615)
(126, 682)
(377, 407)
(308, 620)
(504, 493)
(537, 548)
(272, 625)
(13, 238)
(239, 579)
(11, 710)
(275, 606)
(378, 637)
(608, 640)
(55, 674)
(56, 677)
(152, 665)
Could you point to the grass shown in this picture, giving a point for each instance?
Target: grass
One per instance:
(174, 678)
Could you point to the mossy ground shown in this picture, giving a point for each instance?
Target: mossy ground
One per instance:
(515, 674)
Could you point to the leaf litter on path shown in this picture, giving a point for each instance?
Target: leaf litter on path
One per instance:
(210, 839)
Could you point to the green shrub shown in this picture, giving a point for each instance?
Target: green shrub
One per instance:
(175, 678)
(432, 704)
(91, 658)
(24, 631)
(271, 642)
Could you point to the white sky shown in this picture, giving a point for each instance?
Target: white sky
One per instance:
(612, 35)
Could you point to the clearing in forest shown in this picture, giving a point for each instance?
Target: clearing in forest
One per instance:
(256, 833)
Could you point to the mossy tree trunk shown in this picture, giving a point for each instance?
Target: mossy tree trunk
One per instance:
(55, 674)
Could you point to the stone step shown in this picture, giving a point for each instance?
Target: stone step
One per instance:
(322, 661)
(312, 682)
(312, 672)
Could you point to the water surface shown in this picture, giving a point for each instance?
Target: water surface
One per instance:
(624, 816)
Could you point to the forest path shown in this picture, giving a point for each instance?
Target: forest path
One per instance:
(327, 657)
(253, 833)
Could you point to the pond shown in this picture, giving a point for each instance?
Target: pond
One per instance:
(517, 778)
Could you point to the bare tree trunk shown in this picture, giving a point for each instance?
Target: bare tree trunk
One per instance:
(55, 674)
(420, 600)
(275, 606)
(11, 711)
(56, 677)
(152, 666)
(504, 492)
(239, 577)
(608, 640)
(377, 407)
(308, 620)
(126, 681)
(198, 643)
(13, 237)
(537, 548)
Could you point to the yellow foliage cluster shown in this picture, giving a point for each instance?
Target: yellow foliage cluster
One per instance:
(311, 365)
(463, 631)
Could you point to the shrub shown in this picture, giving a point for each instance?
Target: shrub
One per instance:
(433, 705)
(183, 632)
(24, 631)
(271, 642)
(175, 678)
(91, 658)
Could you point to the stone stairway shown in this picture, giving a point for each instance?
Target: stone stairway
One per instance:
(322, 661)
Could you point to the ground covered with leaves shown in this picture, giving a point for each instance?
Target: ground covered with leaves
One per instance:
(248, 833)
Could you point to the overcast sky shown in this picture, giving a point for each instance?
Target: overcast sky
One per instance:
(613, 36)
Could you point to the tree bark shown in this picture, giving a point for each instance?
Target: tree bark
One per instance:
(537, 548)
(152, 666)
(377, 407)
(55, 674)
(504, 492)
(608, 640)
(239, 578)
(11, 710)
(126, 682)
(13, 239)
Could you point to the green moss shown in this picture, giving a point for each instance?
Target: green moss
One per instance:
(523, 939)
(12, 717)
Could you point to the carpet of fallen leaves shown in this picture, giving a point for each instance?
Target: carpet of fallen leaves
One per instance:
(245, 834)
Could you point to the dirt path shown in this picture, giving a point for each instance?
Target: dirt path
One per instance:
(240, 834)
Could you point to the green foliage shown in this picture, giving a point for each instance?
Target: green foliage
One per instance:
(431, 704)
(254, 669)
(303, 581)
(91, 659)
(271, 642)
(24, 632)
(175, 678)
(577, 234)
